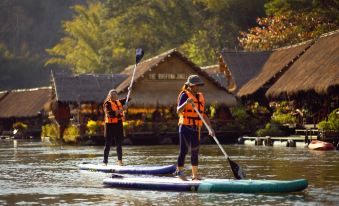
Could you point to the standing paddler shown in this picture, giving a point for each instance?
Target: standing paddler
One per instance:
(190, 124)
(114, 116)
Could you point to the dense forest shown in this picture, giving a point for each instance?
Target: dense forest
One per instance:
(101, 36)
(27, 28)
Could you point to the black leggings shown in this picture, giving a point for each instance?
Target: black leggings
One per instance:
(188, 136)
(113, 132)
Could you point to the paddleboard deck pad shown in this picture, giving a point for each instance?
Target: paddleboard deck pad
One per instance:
(146, 170)
(207, 185)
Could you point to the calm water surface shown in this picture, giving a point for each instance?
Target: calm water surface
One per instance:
(34, 174)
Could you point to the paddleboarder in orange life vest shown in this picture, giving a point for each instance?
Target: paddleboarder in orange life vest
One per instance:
(114, 116)
(190, 124)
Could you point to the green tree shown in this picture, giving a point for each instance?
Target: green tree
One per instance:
(85, 46)
(291, 22)
(104, 35)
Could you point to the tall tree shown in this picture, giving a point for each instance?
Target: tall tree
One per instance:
(290, 22)
(85, 46)
(199, 28)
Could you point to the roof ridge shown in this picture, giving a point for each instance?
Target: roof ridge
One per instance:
(31, 89)
(329, 33)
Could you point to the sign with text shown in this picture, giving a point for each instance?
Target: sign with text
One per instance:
(166, 76)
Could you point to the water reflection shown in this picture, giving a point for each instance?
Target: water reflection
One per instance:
(34, 174)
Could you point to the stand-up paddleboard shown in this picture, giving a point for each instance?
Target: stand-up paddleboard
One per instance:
(147, 170)
(207, 185)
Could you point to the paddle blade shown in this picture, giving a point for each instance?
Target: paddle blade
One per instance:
(139, 53)
(237, 170)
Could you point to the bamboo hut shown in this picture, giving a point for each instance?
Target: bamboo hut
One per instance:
(26, 106)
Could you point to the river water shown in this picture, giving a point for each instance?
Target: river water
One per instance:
(35, 174)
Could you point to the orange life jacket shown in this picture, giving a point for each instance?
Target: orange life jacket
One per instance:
(116, 105)
(189, 116)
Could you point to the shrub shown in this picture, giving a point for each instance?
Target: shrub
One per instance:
(94, 127)
(332, 123)
(71, 134)
(20, 126)
(284, 118)
(245, 121)
(269, 130)
(50, 130)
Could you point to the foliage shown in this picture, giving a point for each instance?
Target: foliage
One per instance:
(50, 130)
(71, 134)
(103, 36)
(332, 123)
(244, 120)
(324, 125)
(20, 126)
(85, 46)
(4, 52)
(269, 130)
(291, 22)
(29, 71)
(212, 111)
(94, 127)
(283, 114)
(131, 126)
(284, 118)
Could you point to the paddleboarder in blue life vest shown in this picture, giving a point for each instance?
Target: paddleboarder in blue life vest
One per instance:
(114, 116)
(190, 124)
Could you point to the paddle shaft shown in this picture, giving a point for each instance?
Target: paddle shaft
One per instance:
(209, 129)
(130, 85)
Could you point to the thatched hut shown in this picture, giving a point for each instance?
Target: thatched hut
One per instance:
(26, 106)
(156, 86)
(214, 72)
(84, 88)
(313, 80)
(158, 81)
(316, 71)
(255, 72)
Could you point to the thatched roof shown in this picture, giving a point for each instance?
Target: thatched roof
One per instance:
(316, 70)
(152, 63)
(213, 71)
(148, 91)
(3, 94)
(260, 69)
(84, 87)
(24, 103)
(244, 65)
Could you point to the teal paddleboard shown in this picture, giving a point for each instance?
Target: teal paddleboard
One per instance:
(207, 185)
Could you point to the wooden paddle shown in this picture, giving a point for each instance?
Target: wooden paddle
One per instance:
(236, 169)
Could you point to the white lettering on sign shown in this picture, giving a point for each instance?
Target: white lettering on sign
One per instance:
(168, 76)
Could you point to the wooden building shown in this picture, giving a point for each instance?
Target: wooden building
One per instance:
(152, 109)
(159, 80)
(307, 73)
(317, 71)
(255, 72)
(27, 106)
